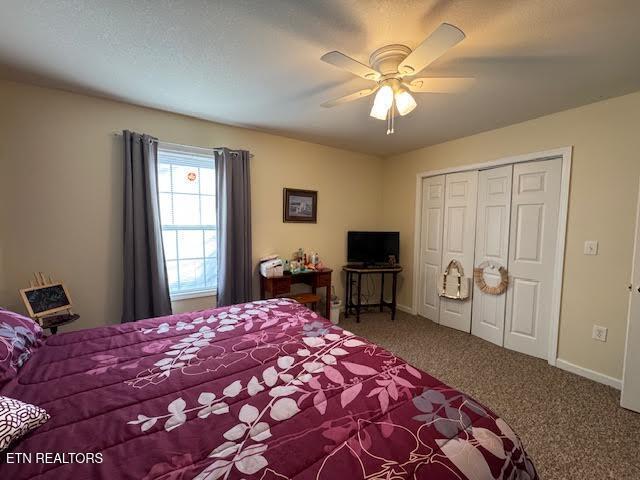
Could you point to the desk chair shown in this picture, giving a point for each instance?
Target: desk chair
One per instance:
(306, 299)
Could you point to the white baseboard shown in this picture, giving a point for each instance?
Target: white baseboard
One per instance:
(404, 308)
(590, 374)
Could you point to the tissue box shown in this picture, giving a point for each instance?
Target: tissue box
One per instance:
(271, 268)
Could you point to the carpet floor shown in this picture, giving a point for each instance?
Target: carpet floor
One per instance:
(572, 428)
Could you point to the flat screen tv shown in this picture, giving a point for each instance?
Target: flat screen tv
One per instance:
(372, 247)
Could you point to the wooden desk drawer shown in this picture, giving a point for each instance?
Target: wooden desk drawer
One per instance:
(323, 280)
(280, 286)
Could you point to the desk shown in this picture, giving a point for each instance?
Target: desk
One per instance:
(282, 285)
(356, 271)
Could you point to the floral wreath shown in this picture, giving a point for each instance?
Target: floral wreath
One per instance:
(478, 278)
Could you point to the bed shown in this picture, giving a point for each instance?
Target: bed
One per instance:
(265, 390)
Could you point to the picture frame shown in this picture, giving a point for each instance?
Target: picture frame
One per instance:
(299, 206)
(43, 300)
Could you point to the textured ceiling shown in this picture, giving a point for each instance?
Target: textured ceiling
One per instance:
(257, 63)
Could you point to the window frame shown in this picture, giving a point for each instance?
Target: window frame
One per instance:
(169, 148)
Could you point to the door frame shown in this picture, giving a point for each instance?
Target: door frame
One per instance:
(565, 153)
(634, 266)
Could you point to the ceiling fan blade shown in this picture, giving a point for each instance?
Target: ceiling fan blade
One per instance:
(441, 40)
(439, 85)
(348, 98)
(340, 60)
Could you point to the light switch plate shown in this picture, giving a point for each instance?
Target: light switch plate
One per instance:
(591, 247)
(599, 333)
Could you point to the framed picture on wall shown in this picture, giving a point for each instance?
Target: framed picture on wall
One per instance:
(300, 206)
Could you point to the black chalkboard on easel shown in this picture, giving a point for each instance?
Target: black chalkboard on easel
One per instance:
(45, 297)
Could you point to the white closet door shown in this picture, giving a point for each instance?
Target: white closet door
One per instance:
(492, 244)
(459, 241)
(431, 246)
(532, 248)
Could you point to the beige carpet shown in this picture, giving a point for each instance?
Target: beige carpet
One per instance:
(573, 428)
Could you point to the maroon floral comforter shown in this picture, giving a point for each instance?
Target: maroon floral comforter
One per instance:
(265, 390)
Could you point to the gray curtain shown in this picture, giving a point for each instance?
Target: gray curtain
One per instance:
(146, 290)
(235, 269)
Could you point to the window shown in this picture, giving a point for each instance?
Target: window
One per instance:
(187, 189)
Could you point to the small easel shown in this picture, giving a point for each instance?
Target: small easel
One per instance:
(40, 280)
(48, 302)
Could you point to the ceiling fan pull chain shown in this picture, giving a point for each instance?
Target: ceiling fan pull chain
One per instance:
(389, 122)
(393, 117)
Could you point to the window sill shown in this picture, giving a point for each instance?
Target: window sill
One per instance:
(198, 294)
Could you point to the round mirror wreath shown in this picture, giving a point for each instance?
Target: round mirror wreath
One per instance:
(478, 278)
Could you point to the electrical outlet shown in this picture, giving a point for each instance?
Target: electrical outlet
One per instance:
(591, 247)
(599, 333)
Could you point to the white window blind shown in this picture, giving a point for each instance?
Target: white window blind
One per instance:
(187, 189)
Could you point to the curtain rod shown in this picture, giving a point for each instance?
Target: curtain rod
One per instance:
(215, 149)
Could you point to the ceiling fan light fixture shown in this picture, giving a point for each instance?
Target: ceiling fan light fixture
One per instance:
(379, 113)
(390, 65)
(405, 103)
(382, 103)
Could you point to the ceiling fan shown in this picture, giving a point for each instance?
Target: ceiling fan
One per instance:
(392, 67)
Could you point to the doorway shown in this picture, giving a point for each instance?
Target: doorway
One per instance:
(630, 397)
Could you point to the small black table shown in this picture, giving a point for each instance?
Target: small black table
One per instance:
(52, 322)
(358, 271)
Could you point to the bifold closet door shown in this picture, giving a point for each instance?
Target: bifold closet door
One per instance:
(492, 244)
(431, 246)
(535, 204)
(461, 191)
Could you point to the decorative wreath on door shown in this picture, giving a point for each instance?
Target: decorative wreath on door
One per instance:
(478, 278)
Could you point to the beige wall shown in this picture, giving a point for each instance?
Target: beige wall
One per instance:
(193, 304)
(61, 177)
(603, 197)
(61, 205)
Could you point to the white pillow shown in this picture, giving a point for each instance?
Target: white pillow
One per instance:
(17, 419)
